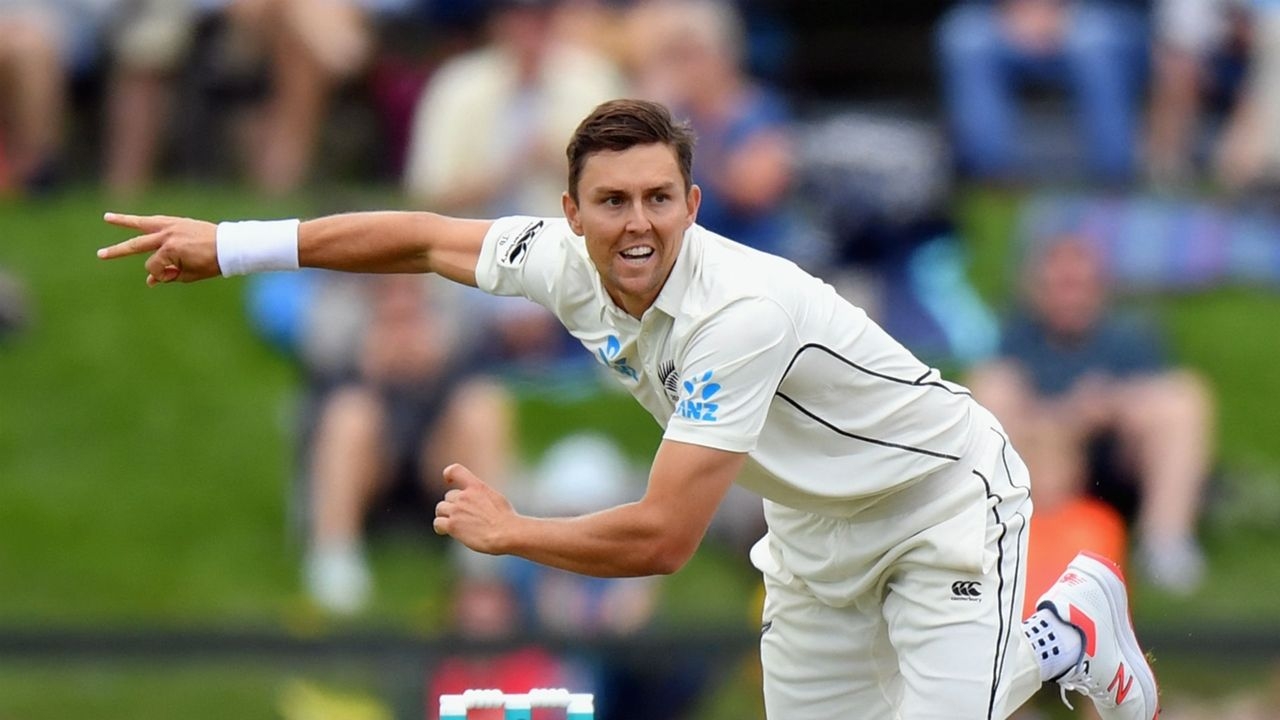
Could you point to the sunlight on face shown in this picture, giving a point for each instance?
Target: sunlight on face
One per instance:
(633, 211)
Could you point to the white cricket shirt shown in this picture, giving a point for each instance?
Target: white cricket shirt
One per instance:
(744, 351)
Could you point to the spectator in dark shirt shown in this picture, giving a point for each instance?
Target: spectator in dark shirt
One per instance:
(1096, 390)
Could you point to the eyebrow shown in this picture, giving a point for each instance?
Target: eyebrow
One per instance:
(605, 191)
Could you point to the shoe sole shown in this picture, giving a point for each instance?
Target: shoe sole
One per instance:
(1110, 577)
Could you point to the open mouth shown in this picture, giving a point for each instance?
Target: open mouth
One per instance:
(637, 255)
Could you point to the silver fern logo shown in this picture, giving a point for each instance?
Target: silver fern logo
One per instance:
(670, 379)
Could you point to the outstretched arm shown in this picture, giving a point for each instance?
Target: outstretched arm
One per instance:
(186, 250)
(654, 535)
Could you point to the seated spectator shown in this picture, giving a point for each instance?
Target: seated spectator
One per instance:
(691, 56)
(491, 126)
(989, 51)
(42, 44)
(1197, 61)
(1079, 386)
(1249, 157)
(309, 48)
(393, 378)
(149, 43)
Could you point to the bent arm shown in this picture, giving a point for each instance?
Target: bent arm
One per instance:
(655, 535)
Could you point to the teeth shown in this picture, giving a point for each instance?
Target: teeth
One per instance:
(637, 252)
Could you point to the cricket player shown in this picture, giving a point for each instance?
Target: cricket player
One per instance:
(894, 562)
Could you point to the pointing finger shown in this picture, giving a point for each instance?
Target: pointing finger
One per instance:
(145, 223)
(132, 246)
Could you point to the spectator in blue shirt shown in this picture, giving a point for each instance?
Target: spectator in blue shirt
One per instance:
(1070, 367)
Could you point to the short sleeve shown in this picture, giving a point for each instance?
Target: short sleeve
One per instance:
(729, 373)
(522, 256)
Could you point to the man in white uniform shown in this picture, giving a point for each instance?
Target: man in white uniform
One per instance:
(897, 509)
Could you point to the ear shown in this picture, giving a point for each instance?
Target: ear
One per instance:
(571, 213)
(692, 202)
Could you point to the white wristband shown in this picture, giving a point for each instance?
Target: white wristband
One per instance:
(257, 246)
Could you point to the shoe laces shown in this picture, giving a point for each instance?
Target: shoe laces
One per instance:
(1080, 680)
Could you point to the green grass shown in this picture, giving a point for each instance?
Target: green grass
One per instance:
(200, 691)
(142, 446)
(1228, 335)
(145, 457)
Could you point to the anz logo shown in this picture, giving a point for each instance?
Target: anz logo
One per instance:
(609, 356)
(696, 399)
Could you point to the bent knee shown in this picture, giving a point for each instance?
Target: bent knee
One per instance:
(353, 411)
(480, 404)
(1178, 396)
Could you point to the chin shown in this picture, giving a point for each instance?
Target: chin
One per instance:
(634, 286)
(629, 277)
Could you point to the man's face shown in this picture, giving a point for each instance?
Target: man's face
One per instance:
(1070, 287)
(633, 210)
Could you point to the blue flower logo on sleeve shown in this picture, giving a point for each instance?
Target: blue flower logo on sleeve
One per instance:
(609, 356)
(696, 399)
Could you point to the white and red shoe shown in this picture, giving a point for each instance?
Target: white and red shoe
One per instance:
(1112, 670)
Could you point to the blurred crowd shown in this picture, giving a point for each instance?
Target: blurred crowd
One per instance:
(1166, 93)
(1118, 116)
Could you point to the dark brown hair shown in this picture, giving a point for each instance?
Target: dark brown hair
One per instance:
(618, 125)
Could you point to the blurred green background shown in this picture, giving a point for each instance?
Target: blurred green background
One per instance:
(145, 455)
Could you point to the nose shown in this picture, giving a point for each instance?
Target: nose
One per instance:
(637, 220)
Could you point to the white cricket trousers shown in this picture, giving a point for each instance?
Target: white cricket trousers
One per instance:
(928, 631)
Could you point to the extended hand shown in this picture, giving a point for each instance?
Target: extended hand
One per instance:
(182, 249)
(472, 512)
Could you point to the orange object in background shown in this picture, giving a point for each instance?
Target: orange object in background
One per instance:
(1058, 534)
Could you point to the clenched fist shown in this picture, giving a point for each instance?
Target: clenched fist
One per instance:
(472, 512)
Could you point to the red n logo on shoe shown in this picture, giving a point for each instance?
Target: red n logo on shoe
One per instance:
(1120, 684)
(1077, 617)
